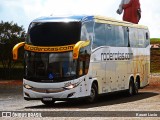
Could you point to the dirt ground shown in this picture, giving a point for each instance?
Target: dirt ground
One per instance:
(11, 99)
(154, 80)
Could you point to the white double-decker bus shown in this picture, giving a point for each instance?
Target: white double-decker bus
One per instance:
(82, 57)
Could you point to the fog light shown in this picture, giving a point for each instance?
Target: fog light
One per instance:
(70, 95)
(27, 94)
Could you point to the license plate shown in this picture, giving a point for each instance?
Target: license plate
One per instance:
(47, 99)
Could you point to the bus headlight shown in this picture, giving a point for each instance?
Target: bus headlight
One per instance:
(27, 86)
(71, 86)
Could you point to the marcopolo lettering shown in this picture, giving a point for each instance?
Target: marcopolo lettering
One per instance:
(116, 56)
(48, 49)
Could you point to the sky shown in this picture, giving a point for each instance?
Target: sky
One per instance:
(24, 11)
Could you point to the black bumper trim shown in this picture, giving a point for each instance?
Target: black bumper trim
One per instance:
(57, 99)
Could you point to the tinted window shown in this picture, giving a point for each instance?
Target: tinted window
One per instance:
(87, 31)
(100, 35)
(133, 37)
(119, 37)
(87, 34)
(110, 31)
(141, 39)
(54, 33)
(49, 67)
(126, 36)
(85, 52)
(110, 35)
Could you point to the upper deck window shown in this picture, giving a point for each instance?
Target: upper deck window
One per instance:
(110, 35)
(54, 33)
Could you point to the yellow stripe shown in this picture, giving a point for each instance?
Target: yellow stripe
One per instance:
(66, 48)
(49, 49)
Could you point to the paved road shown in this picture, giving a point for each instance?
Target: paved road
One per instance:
(148, 99)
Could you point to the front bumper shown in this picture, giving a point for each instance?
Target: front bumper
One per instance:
(56, 91)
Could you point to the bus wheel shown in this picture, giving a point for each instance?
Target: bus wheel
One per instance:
(93, 95)
(48, 103)
(131, 88)
(136, 86)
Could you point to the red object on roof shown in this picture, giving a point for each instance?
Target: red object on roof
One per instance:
(131, 11)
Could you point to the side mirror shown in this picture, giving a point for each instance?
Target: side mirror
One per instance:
(15, 50)
(78, 46)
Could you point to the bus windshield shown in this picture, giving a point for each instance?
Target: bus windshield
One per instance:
(55, 66)
(49, 67)
(53, 33)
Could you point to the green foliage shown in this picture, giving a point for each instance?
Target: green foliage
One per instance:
(10, 35)
(155, 40)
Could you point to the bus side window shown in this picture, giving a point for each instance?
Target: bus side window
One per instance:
(141, 41)
(83, 61)
(120, 37)
(126, 37)
(87, 31)
(110, 35)
(133, 37)
(100, 35)
(80, 73)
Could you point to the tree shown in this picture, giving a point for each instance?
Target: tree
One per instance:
(10, 35)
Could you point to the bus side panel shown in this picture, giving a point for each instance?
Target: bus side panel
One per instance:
(111, 76)
(99, 70)
(121, 75)
(144, 66)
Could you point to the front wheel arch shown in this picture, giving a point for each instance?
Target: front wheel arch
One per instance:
(93, 92)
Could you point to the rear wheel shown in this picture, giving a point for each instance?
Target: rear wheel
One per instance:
(48, 103)
(136, 86)
(93, 94)
(131, 88)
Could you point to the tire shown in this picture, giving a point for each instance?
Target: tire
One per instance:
(131, 88)
(136, 86)
(93, 94)
(48, 103)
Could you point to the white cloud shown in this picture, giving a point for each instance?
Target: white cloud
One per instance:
(24, 11)
(151, 16)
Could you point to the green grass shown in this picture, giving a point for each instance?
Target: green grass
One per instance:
(155, 41)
